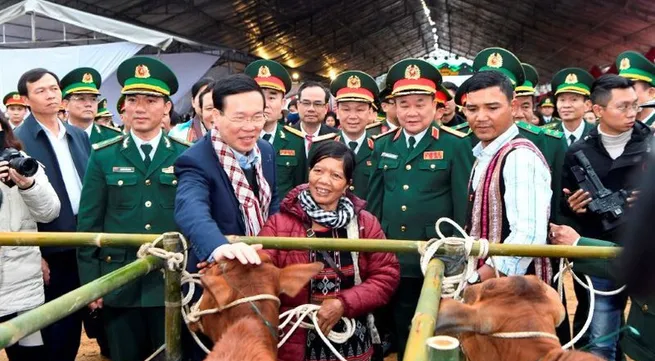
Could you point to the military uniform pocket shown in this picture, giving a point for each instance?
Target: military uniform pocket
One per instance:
(388, 166)
(433, 175)
(169, 187)
(121, 191)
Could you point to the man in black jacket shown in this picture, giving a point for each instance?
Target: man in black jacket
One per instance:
(618, 151)
(64, 151)
(313, 101)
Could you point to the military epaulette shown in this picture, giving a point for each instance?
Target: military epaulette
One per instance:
(293, 131)
(390, 131)
(109, 127)
(374, 125)
(454, 132)
(460, 126)
(529, 127)
(320, 138)
(550, 125)
(553, 133)
(180, 141)
(108, 142)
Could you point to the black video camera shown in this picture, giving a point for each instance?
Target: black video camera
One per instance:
(609, 205)
(25, 166)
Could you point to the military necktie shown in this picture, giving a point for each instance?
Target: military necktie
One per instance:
(571, 139)
(412, 143)
(146, 148)
(352, 145)
(267, 137)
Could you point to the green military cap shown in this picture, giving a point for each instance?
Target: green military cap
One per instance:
(13, 98)
(385, 95)
(354, 86)
(269, 74)
(531, 81)
(547, 102)
(501, 60)
(443, 95)
(81, 81)
(413, 76)
(102, 109)
(145, 75)
(572, 80)
(635, 66)
(120, 104)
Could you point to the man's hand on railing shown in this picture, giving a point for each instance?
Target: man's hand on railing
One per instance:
(96, 304)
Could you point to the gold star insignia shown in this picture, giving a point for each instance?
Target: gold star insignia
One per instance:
(571, 79)
(412, 72)
(87, 78)
(625, 64)
(142, 71)
(495, 60)
(263, 72)
(354, 82)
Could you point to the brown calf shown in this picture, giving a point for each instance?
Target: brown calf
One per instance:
(247, 331)
(507, 304)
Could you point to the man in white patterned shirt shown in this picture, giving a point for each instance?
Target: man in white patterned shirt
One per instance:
(510, 181)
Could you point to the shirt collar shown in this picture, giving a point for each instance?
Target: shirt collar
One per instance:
(62, 129)
(88, 129)
(493, 147)
(154, 141)
(577, 133)
(318, 130)
(263, 133)
(359, 140)
(246, 161)
(418, 136)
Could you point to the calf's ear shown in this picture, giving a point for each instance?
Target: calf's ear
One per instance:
(455, 317)
(293, 278)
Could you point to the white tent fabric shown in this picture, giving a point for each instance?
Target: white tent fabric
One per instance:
(96, 23)
(188, 67)
(103, 57)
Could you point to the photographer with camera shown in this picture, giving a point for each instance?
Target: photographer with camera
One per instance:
(27, 198)
(598, 192)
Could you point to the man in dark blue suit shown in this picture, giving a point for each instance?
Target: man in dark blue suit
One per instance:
(226, 181)
(64, 151)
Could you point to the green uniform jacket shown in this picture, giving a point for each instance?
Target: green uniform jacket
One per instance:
(650, 120)
(409, 192)
(642, 311)
(121, 196)
(290, 158)
(558, 126)
(101, 132)
(363, 163)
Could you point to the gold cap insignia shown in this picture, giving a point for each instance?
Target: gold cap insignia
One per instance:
(625, 64)
(142, 71)
(103, 104)
(495, 60)
(16, 96)
(547, 101)
(412, 72)
(263, 72)
(571, 79)
(354, 82)
(87, 78)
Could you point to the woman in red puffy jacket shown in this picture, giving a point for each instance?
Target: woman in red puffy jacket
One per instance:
(352, 284)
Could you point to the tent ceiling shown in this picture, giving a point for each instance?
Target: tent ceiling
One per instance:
(317, 37)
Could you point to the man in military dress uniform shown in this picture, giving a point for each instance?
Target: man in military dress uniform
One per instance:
(104, 116)
(572, 88)
(546, 109)
(354, 92)
(420, 175)
(16, 108)
(636, 67)
(388, 105)
(80, 94)
(289, 144)
(130, 187)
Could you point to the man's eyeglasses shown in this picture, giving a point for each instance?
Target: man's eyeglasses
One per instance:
(623, 108)
(316, 104)
(240, 119)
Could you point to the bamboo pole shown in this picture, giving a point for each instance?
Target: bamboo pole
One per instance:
(45, 239)
(425, 318)
(173, 302)
(443, 348)
(29, 322)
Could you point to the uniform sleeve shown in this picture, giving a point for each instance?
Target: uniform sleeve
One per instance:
(527, 203)
(375, 193)
(91, 215)
(459, 181)
(193, 210)
(594, 266)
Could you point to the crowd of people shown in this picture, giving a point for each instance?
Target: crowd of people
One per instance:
(485, 154)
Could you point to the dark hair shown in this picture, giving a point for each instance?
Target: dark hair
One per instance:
(10, 138)
(336, 150)
(450, 86)
(199, 84)
(601, 89)
(313, 84)
(208, 89)
(175, 118)
(333, 115)
(489, 79)
(32, 76)
(234, 84)
(293, 102)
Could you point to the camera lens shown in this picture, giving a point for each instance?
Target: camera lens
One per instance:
(26, 167)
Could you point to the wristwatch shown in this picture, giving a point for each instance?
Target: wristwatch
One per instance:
(474, 279)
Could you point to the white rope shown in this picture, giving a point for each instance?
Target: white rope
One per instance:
(301, 312)
(565, 266)
(452, 286)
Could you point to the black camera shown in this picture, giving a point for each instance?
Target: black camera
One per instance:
(25, 166)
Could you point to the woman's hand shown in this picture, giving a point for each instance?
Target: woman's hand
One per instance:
(329, 314)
